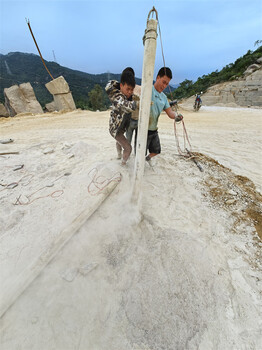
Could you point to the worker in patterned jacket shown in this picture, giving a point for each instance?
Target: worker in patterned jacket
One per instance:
(120, 95)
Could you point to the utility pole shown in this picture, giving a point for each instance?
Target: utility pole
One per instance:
(149, 40)
(54, 56)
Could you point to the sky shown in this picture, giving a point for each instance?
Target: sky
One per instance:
(198, 36)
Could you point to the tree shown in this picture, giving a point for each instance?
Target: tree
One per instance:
(97, 98)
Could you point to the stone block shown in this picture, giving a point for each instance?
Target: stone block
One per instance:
(58, 86)
(51, 107)
(32, 105)
(257, 75)
(14, 101)
(3, 111)
(64, 102)
(21, 99)
(63, 99)
(251, 69)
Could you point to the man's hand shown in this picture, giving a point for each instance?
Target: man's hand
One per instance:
(173, 103)
(136, 98)
(178, 117)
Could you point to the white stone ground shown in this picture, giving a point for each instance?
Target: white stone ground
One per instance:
(182, 274)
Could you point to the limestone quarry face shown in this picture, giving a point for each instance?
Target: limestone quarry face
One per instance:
(246, 92)
(21, 99)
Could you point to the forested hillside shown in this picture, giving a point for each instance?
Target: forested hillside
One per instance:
(18, 67)
(230, 72)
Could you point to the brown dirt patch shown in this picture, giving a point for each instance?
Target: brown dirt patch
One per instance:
(233, 192)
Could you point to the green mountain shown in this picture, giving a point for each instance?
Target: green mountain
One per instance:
(18, 67)
(230, 72)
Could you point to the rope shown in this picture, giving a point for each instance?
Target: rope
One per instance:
(24, 181)
(96, 186)
(150, 30)
(185, 135)
(151, 12)
(183, 153)
(16, 183)
(162, 50)
(98, 183)
(28, 23)
(53, 195)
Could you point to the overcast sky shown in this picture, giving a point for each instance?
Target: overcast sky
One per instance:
(199, 36)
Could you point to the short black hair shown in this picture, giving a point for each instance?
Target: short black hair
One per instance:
(165, 71)
(128, 78)
(129, 69)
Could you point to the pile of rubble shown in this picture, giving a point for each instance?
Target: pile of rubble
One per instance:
(21, 99)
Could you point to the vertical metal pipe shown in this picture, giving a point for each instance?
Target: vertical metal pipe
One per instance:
(144, 109)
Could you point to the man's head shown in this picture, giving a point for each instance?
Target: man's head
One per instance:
(163, 78)
(129, 69)
(127, 83)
